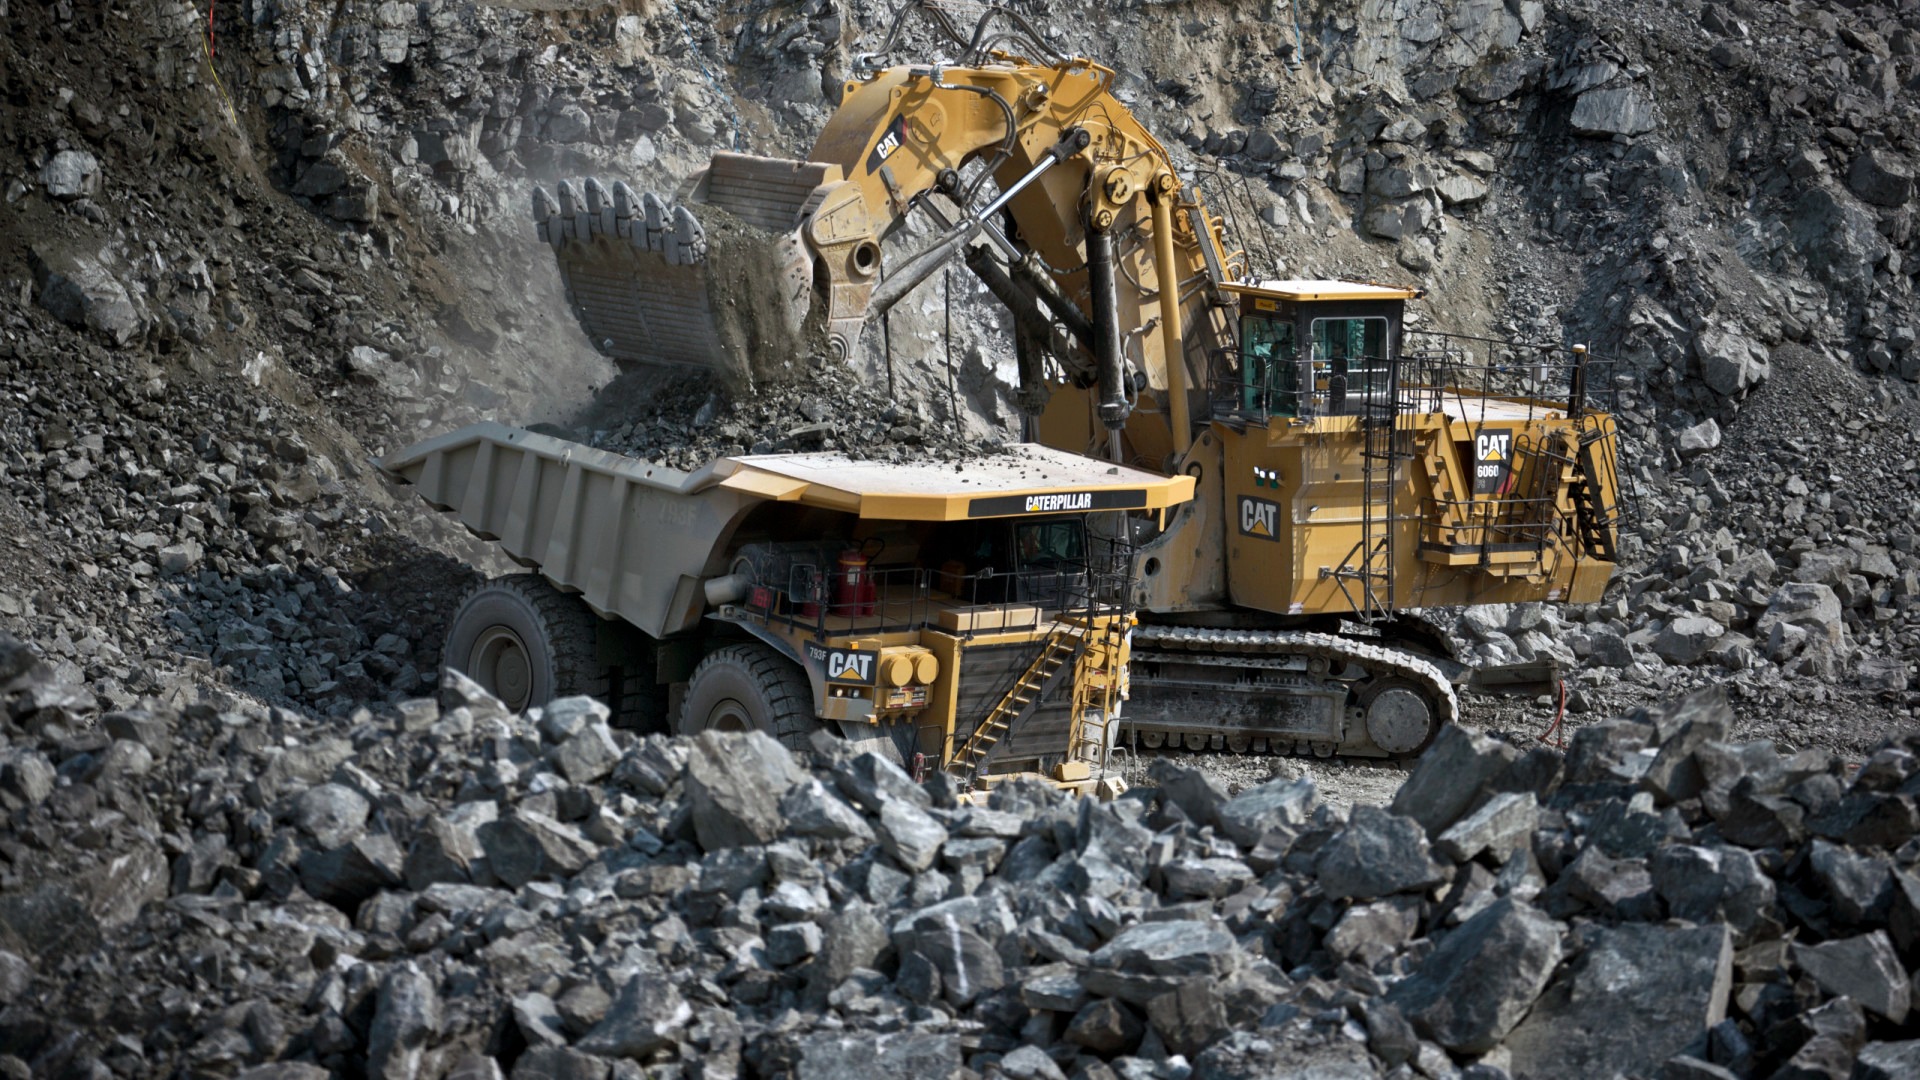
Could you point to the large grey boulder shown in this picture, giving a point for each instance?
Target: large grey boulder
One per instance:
(1105, 1027)
(734, 783)
(1704, 884)
(1698, 439)
(967, 963)
(1839, 238)
(644, 1017)
(1805, 620)
(81, 290)
(440, 852)
(529, 846)
(854, 938)
(1623, 111)
(1637, 995)
(1471, 991)
(910, 835)
(1881, 177)
(1198, 794)
(1453, 774)
(1275, 805)
(332, 813)
(1502, 824)
(896, 1055)
(406, 1018)
(1702, 717)
(1379, 853)
(347, 875)
(1688, 639)
(71, 174)
(587, 756)
(1888, 1061)
(813, 809)
(1730, 362)
(1148, 959)
(1863, 968)
(871, 780)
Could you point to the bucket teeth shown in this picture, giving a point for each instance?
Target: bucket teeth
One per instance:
(689, 239)
(546, 217)
(599, 207)
(622, 209)
(656, 213)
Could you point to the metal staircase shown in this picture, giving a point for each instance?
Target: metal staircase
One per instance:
(1101, 666)
(1032, 686)
(1598, 463)
(1365, 576)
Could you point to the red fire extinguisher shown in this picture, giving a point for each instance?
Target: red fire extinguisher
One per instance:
(854, 591)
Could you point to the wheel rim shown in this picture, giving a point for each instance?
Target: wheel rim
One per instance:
(500, 663)
(729, 714)
(1153, 740)
(1398, 720)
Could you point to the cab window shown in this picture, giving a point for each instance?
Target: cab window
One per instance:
(1354, 351)
(1049, 544)
(1268, 375)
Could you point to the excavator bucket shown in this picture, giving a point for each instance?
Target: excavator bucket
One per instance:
(722, 280)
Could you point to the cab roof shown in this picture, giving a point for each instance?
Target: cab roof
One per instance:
(1325, 289)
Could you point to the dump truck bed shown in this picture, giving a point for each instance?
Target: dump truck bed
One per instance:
(636, 540)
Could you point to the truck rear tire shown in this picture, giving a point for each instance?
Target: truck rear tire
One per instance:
(749, 688)
(526, 642)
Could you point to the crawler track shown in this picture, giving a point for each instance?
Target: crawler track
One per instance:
(1279, 691)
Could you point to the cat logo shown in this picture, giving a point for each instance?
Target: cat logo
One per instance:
(1259, 518)
(844, 665)
(882, 150)
(1493, 461)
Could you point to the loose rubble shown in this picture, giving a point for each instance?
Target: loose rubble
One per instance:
(437, 890)
(685, 420)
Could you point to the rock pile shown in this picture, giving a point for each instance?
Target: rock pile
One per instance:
(684, 420)
(447, 889)
(174, 552)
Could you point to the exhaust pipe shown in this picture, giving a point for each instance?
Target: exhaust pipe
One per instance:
(729, 589)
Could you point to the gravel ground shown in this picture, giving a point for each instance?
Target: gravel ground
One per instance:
(1342, 783)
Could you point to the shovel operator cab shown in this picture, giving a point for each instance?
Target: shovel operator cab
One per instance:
(969, 618)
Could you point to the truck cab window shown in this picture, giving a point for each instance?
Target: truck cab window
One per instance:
(1050, 544)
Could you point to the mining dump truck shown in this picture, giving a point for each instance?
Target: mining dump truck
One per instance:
(970, 617)
(1351, 470)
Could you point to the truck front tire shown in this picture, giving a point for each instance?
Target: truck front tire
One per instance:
(749, 688)
(526, 642)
